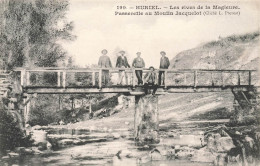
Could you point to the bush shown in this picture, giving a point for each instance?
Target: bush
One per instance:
(50, 109)
(44, 110)
(11, 135)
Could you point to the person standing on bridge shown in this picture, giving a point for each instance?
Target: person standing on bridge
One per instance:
(139, 63)
(164, 64)
(104, 62)
(150, 79)
(122, 63)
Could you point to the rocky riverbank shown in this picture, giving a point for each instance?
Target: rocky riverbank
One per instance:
(188, 135)
(190, 143)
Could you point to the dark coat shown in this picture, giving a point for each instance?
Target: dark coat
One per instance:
(138, 63)
(164, 63)
(122, 62)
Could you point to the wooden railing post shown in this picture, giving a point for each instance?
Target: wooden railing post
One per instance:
(100, 79)
(211, 76)
(130, 78)
(222, 79)
(185, 79)
(195, 78)
(27, 78)
(93, 78)
(58, 79)
(64, 79)
(249, 78)
(238, 78)
(133, 71)
(22, 77)
(90, 108)
(165, 75)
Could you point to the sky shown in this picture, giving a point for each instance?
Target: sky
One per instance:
(97, 28)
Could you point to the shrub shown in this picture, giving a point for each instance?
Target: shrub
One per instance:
(11, 135)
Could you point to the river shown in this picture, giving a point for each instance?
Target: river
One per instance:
(117, 147)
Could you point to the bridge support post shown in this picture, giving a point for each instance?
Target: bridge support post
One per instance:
(146, 119)
(26, 111)
(246, 107)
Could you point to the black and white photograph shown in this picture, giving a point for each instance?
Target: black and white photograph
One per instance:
(129, 83)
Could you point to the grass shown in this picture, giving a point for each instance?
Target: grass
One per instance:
(233, 39)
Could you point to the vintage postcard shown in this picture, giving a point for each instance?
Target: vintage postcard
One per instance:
(138, 83)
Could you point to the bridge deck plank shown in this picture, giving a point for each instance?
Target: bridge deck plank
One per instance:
(130, 89)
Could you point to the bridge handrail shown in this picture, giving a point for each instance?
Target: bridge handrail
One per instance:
(56, 69)
(62, 72)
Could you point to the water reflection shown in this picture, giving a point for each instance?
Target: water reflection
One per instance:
(115, 152)
(117, 148)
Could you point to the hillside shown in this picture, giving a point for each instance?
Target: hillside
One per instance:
(181, 109)
(232, 52)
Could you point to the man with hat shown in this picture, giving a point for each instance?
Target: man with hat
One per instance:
(164, 64)
(122, 63)
(104, 62)
(150, 79)
(139, 63)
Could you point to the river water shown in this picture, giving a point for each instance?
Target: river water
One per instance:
(116, 148)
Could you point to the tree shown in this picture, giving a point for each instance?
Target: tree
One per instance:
(31, 31)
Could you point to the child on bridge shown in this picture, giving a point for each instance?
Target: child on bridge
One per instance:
(150, 79)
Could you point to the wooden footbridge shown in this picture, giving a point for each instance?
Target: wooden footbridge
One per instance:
(89, 80)
(242, 83)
